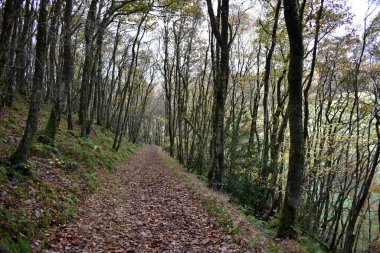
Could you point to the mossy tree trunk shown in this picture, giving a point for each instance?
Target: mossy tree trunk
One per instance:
(290, 207)
(66, 77)
(221, 68)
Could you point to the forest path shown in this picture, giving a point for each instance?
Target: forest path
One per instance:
(142, 208)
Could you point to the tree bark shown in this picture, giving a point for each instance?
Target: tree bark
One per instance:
(65, 82)
(268, 65)
(296, 154)
(312, 69)
(220, 91)
(10, 13)
(20, 155)
(87, 67)
(52, 73)
(21, 51)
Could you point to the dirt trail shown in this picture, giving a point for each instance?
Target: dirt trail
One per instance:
(142, 208)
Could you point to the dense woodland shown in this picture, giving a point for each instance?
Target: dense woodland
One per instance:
(275, 102)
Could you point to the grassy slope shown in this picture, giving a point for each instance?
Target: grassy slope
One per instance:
(257, 235)
(60, 177)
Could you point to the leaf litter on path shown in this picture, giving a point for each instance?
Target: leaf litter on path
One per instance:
(139, 208)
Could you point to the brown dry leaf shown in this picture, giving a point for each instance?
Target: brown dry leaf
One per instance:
(206, 240)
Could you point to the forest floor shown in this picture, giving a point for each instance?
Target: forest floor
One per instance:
(141, 208)
(147, 206)
(78, 195)
(56, 179)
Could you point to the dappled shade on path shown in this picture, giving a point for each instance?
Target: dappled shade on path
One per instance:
(140, 208)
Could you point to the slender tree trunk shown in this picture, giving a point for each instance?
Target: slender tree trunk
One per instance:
(52, 76)
(20, 155)
(268, 65)
(168, 71)
(113, 81)
(10, 69)
(253, 107)
(10, 13)
(21, 52)
(120, 126)
(310, 77)
(87, 68)
(67, 73)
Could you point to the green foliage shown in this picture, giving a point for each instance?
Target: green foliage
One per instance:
(107, 162)
(310, 245)
(223, 219)
(133, 6)
(272, 247)
(88, 143)
(3, 174)
(7, 244)
(242, 163)
(12, 120)
(17, 223)
(242, 187)
(90, 178)
(175, 4)
(45, 219)
(200, 165)
(45, 150)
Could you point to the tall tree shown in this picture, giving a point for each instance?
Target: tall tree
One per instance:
(8, 30)
(221, 68)
(296, 155)
(127, 91)
(65, 79)
(22, 49)
(167, 72)
(89, 34)
(312, 68)
(20, 155)
(266, 81)
(52, 40)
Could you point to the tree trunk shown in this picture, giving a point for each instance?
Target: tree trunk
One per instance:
(65, 82)
(220, 91)
(312, 69)
(268, 65)
(20, 155)
(87, 67)
(21, 52)
(10, 12)
(296, 154)
(52, 75)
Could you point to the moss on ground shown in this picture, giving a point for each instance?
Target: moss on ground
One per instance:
(61, 175)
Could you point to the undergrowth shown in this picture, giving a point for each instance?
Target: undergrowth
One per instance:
(60, 176)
